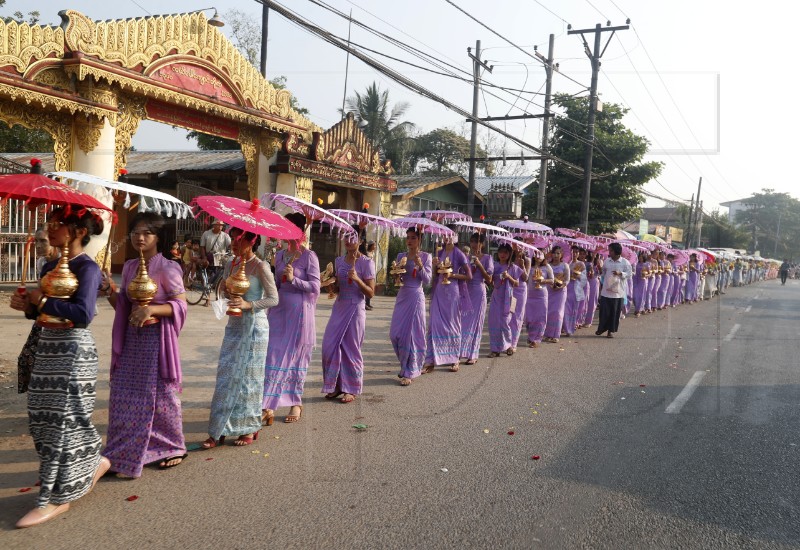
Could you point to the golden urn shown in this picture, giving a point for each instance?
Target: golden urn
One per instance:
(558, 281)
(142, 289)
(575, 274)
(445, 270)
(398, 270)
(237, 284)
(328, 280)
(60, 284)
(538, 277)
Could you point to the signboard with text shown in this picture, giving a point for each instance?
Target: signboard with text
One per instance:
(195, 79)
(193, 120)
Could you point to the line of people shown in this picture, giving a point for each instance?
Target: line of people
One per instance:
(266, 352)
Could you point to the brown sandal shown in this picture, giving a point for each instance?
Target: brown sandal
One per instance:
(267, 417)
(427, 369)
(454, 367)
(405, 381)
(347, 398)
(292, 418)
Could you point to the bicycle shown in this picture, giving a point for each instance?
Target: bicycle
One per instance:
(203, 285)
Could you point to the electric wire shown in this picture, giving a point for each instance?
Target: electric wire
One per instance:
(413, 86)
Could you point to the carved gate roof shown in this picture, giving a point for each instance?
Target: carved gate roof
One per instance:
(174, 59)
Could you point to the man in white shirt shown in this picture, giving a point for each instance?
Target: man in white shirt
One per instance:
(213, 245)
(44, 252)
(616, 271)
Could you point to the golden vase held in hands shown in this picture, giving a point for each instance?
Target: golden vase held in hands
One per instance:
(445, 270)
(237, 285)
(537, 278)
(142, 289)
(398, 270)
(558, 281)
(60, 284)
(328, 279)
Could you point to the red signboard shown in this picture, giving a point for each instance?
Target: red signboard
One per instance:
(337, 174)
(195, 79)
(193, 120)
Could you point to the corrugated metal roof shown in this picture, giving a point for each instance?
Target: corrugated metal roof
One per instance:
(484, 183)
(408, 183)
(153, 162)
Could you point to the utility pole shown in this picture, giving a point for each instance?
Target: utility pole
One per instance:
(687, 239)
(594, 57)
(698, 213)
(347, 63)
(541, 206)
(699, 222)
(264, 36)
(777, 235)
(473, 143)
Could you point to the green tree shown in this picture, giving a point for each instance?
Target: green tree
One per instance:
(442, 151)
(718, 232)
(617, 160)
(381, 123)
(772, 221)
(19, 17)
(18, 139)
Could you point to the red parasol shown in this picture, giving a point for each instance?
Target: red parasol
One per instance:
(35, 190)
(249, 216)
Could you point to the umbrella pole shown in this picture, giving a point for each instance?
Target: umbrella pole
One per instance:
(27, 253)
(106, 257)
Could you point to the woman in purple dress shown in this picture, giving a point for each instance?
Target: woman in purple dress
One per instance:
(583, 305)
(407, 330)
(63, 379)
(521, 295)
(472, 320)
(145, 422)
(640, 279)
(536, 306)
(594, 266)
(342, 362)
(448, 299)
(506, 276)
(292, 330)
(557, 296)
(576, 295)
(692, 279)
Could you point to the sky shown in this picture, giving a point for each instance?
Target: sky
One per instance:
(689, 73)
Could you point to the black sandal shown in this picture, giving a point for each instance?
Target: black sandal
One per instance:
(164, 466)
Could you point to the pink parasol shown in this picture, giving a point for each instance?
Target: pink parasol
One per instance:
(425, 225)
(481, 227)
(362, 220)
(311, 212)
(522, 226)
(572, 233)
(249, 216)
(505, 239)
(440, 216)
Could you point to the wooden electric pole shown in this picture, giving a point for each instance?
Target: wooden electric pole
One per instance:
(594, 57)
(541, 204)
(473, 142)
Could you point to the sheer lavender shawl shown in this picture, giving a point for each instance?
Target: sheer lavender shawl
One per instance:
(167, 274)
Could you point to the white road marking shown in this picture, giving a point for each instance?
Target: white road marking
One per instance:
(734, 329)
(678, 403)
(747, 309)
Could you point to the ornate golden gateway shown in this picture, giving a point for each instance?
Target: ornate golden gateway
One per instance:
(85, 67)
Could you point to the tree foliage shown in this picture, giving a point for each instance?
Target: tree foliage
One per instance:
(718, 232)
(18, 139)
(381, 123)
(32, 17)
(617, 160)
(774, 220)
(442, 151)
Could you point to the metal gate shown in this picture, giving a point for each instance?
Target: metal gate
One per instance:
(14, 232)
(186, 191)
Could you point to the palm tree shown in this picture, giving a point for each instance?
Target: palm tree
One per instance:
(382, 125)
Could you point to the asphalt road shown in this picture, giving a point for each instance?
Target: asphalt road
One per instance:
(680, 433)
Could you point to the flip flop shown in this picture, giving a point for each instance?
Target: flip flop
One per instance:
(163, 464)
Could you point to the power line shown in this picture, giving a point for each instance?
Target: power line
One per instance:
(141, 7)
(413, 86)
(597, 10)
(552, 12)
